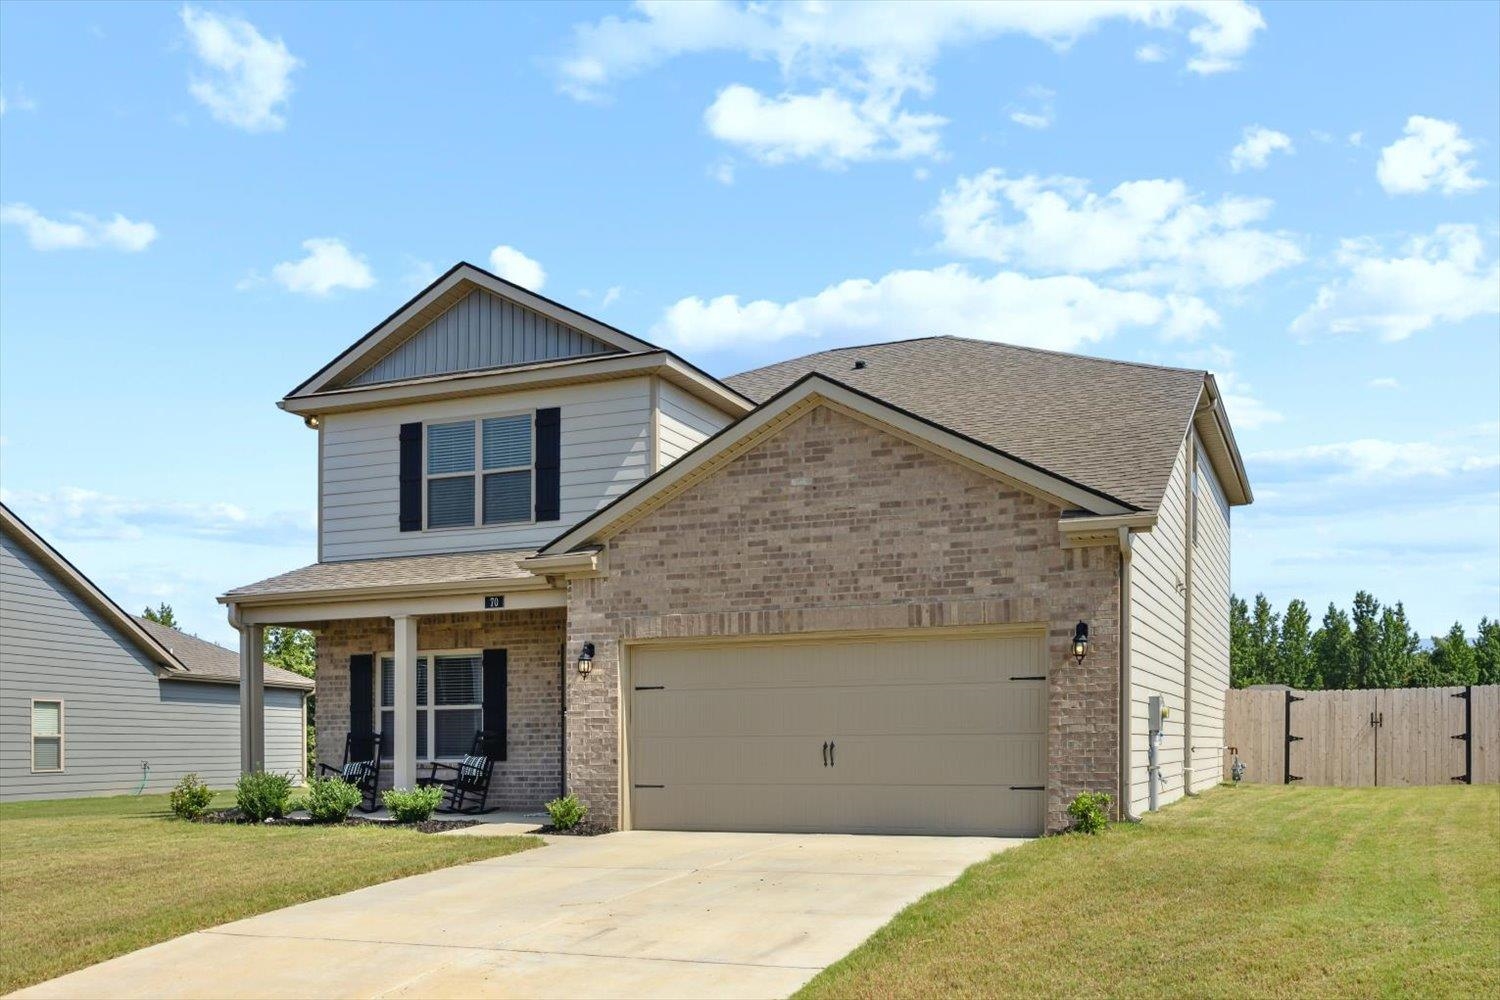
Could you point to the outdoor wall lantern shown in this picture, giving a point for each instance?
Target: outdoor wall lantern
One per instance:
(586, 659)
(1081, 642)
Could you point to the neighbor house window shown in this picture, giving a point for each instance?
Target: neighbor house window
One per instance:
(480, 471)
(455, 712)
(46, 735)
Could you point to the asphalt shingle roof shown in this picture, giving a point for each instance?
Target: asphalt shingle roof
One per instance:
(212, 661)
(1114, 426)
(457, 567)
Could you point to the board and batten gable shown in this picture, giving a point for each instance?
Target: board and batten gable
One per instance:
(683, 422)
(482, 330)
(117, 712)
(606, 430)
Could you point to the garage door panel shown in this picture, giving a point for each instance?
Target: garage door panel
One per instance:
(931, 735)
(792, 664)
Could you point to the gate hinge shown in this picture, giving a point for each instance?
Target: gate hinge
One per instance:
(1294, 777)
(1293, 739)
(1292, 697)
(1460, 736)
(1464, 694)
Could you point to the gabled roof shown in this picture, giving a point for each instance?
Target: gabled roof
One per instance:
(811, 390)
(126, 625)
(460, 281)
(1112, 426)
(208, 661)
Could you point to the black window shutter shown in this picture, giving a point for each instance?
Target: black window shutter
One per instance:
(361, 695)
(411, 477)
(548, 463)
(495, 683)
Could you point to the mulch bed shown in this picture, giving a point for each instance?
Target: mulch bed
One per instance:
(586, 828)
(234, 816)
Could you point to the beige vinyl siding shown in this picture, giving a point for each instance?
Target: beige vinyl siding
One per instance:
(117, 712)
(606, 429)
(683, 422)
(1210, 652)
(1157, 639)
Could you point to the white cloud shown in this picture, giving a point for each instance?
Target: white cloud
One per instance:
(1058, 312)
(723, 172)
(1375, 459)
(611, 296)
(1383, 383)
(1039, 113)
(73, 513)
(1432, 154)
(826, 127)
(1150, 54)
(248, 77)
(1153, 231)
(864, 59)
(1444, 277)
(329, 265)
(16, 100)
(1256, 145)
(884, 38)
(1356, 139)
(419, 273)
(1247, 412)
(78, 231)
(513, 265)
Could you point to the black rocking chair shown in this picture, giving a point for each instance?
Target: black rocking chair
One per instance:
(467, 783)
(361, 768)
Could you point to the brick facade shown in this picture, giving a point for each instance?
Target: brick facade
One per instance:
(833, 524)
(533, 640)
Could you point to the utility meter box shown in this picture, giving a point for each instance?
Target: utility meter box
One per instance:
(1156, 714)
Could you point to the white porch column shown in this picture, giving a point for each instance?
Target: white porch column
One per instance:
(404, 753)
(252, 699)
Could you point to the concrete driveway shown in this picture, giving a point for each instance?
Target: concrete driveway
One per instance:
(628, 914)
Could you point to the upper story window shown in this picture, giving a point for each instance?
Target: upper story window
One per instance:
(480, 471)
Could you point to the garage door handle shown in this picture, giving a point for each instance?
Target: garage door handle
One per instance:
(825, 753)
(831, 759)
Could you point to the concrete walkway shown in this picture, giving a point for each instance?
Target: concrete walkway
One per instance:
(639, 914)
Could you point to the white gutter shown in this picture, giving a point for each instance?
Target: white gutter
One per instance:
(1125, 553)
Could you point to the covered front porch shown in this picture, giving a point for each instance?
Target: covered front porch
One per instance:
(426, 664)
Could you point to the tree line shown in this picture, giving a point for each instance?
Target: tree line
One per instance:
(1369, 646)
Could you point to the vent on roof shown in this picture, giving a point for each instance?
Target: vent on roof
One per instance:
(859, 365)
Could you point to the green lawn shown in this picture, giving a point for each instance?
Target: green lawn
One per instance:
(83, 880)
(1243, 892)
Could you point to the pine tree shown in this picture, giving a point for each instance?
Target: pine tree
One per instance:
(1396, 645)
(1265, 628)
(1366, 638)
(1487, 652)
(1295, 665)
(1333, 650)
(1454, 662)
(1241, 658)
(162, 615)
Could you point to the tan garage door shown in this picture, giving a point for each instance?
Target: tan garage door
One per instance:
(931, 735)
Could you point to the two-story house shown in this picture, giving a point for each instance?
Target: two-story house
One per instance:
(937, 585)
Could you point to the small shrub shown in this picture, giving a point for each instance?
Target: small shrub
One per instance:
(567, 812)
(190, 798)
(262, 795)
(412, 805)
(1090, 811)
(330, 800)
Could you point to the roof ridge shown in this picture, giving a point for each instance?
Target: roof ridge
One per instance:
(1074, 354)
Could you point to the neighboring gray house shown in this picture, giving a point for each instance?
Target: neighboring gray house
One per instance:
(93, 700)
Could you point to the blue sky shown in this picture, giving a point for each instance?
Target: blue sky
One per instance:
(202, 204)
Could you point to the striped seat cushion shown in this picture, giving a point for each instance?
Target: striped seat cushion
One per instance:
(471, 768)
(355, 771)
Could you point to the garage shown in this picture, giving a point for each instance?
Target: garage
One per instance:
(888, 734)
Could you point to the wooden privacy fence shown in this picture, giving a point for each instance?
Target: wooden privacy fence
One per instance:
(1386, 736)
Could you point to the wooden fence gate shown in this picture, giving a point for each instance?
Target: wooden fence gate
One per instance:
(1385, 736)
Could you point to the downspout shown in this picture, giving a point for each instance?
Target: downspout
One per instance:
(1189, 766)
(1125, 553)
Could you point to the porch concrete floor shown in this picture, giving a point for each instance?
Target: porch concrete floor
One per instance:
(638, 914)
